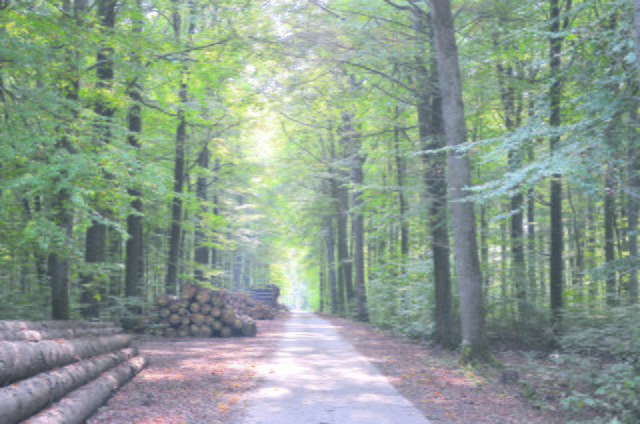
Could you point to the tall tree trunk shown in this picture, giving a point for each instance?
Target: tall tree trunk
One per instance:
(578, 265)
(237, 270)
(474, 340)
(531, 245)
(96, 234)
(402, 203)
(512, 105)
(609, 235)
(57, 261)
(634, 184)
(134, 249)
(344, 270)
(357, 220)
(556, 260)
(217, 165)
(331, 262)
(636, 24)
(201, 254)
(173, 260)
(175, 237)
(432, 139)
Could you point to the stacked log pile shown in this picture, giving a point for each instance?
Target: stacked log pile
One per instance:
(201, 312)
(61, 371)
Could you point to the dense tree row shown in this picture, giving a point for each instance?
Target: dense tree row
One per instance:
(542, 157)
(123, 172)
(418, 168)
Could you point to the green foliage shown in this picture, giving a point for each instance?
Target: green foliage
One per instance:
(606, 348)
(400, 298)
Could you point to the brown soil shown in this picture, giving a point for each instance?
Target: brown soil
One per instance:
(433, 380)
(191, 381)
(198, 381)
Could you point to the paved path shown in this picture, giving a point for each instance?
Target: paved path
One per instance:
(316, 377)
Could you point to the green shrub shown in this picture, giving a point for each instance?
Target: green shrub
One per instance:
(605, 381)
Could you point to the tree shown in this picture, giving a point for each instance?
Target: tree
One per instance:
(475, 343)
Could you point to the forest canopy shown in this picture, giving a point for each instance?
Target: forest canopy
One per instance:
(452, 172)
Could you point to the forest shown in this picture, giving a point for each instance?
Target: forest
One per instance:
(463, 172)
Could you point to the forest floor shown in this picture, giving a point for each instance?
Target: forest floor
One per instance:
(198, 381)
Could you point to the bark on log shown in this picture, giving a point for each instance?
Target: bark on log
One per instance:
(23, 359)
(45, 330)
(79, 405)
(26, 398)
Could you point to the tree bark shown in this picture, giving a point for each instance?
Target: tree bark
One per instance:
(201, 254)
(609, 236)
(636, 24)
(23, 359)
(402, 202)
(134, 249)
(475, 344)
(358, 236)
(57, 261)
(79, 405)
(331, 263)
(512, 105)
(96, 234)
(344, 260)
(44, 330)
(556, 261)
(26, 398)
(432, 139)
(634, 183)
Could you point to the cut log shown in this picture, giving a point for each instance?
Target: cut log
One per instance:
(23, 359)
(170, 332)
(165, 299)
(238, 323)
(204, 331)
(203, 296)
(194, 307)
(216, 299)
(197, 318)
(226, 331)
(206, 308)
(188, 291)
(228, 316)
(175, 319)
(184, 331)
(46, 330)
(25, 398)
(215, 312)
(249, 329)
(80, 404)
